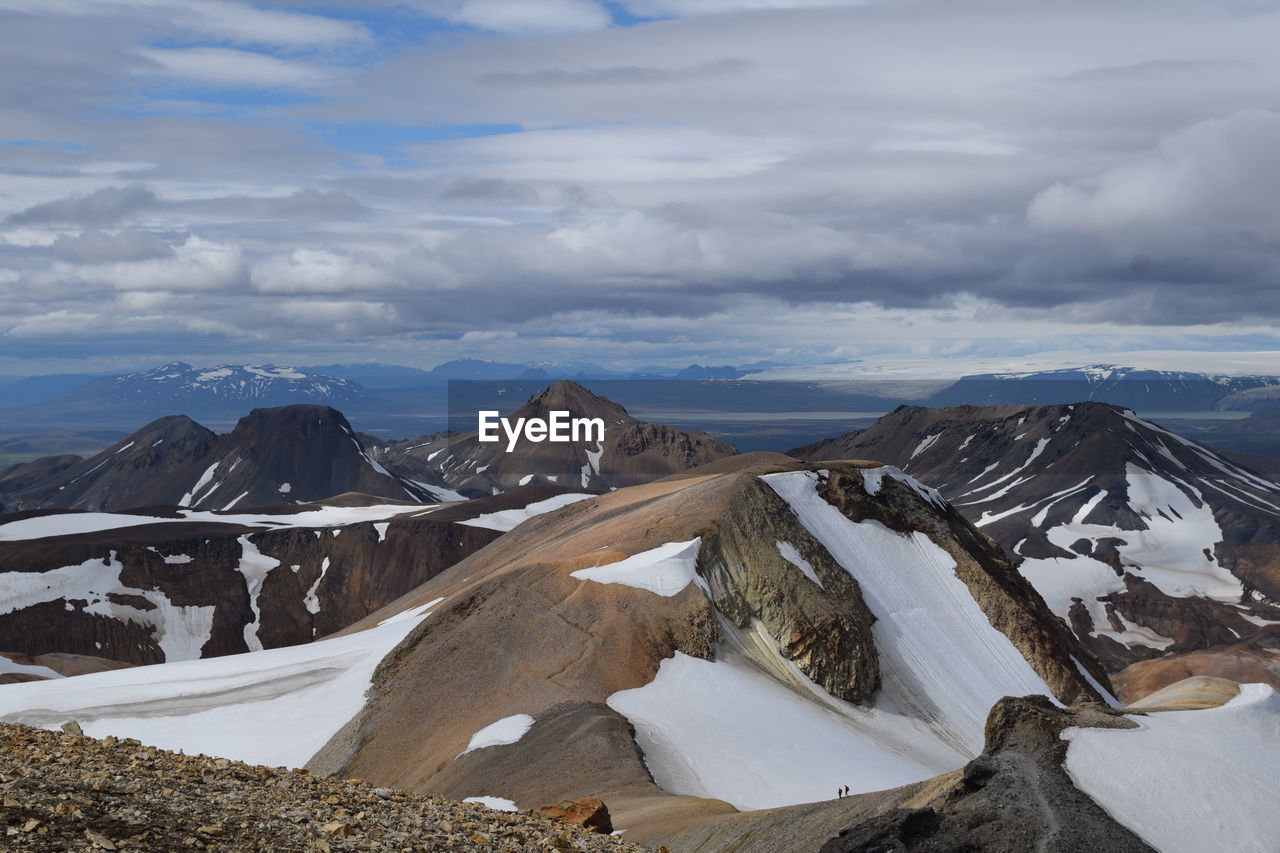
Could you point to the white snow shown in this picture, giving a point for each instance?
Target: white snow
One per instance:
(966, 441)
(123, 449)
(310, 601)
(873, 478)
(72, 523)
(924, 445)
(593, 457)
(525, 480)
(1189, 781)
(285, 488)
(504, 731)
(237, 500)
(381, 527)
(254, 566)
(275, 707)
(1106, 694)
(728, 730)
(508, 519)
(200, 484)
(791, 554)
(586, 477)
(1059, 579)
(1035, 452)
(940, 658)
(180, 632)
(665, 570)
(500, 804)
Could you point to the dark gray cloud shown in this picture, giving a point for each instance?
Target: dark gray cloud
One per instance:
(106, 206)
(96, 247)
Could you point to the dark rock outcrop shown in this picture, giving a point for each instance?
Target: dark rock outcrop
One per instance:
(1014, 797)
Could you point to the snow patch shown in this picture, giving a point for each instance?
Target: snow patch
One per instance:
(507, 519)
(665, 570)
(504, 731)
(254, 566)
(500, 804)
(791, 554)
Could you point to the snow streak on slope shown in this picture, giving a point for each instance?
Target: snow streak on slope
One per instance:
(274, 707)
(940, 658)
(507, 519)
(1189, 781)
(729, 731)
(73, 523)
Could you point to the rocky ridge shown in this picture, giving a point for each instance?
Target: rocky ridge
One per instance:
(64, 791)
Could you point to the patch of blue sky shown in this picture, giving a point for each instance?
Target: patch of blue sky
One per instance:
(388, 140)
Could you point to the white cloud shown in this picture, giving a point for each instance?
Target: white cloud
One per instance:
(316, 271)
(1218, 174)
(195, 265)
(225, 66)
(222, 19)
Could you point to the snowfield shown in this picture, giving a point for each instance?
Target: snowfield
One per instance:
(728, 730)
(941, 661)
(1189, 781)
(753, 730)
(276, 707)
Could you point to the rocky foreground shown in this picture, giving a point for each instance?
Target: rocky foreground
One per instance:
(68, 792)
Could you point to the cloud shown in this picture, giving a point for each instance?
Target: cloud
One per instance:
(629, 75)
(224, 66)
(106, 206)
(194, 265)
(95, 247)
(239, 22)
(1218, 175)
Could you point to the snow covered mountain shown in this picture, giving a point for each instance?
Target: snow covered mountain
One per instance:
(751, 633)
(632, 451)
(169, 585)
(1143, 541)
(285, 455)
(754, 615)
(1145, 390)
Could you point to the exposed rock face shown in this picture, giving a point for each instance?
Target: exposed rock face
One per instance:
(287, 455)
(826, 632)
(1008, 600)
(181, 590)
(632, 451)
(1087, 498)
(1015, 796)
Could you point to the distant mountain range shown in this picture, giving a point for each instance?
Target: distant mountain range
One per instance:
(396, 401)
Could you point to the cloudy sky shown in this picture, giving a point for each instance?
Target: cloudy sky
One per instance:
(638, 181)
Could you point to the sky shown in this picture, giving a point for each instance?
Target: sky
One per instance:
(640, 182)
